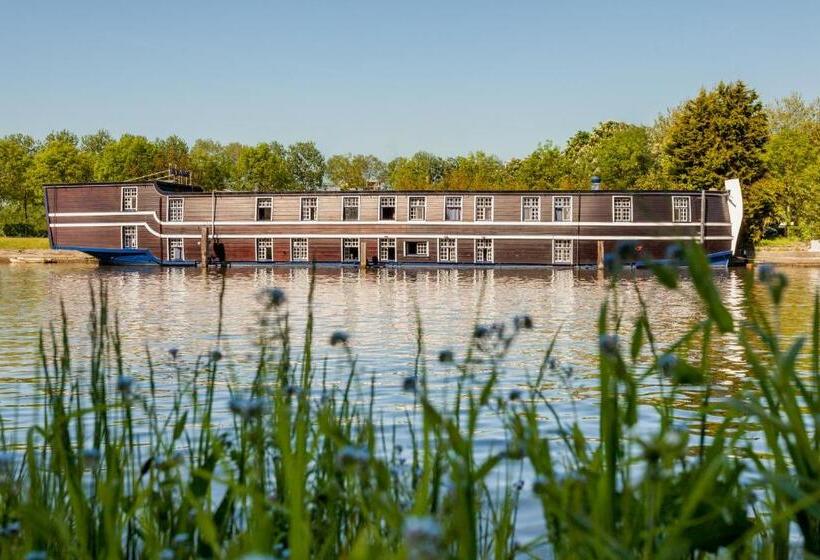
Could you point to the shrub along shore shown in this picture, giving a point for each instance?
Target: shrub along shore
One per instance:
(117, 467)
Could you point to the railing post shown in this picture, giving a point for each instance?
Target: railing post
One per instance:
(702, 215)
(203, 247)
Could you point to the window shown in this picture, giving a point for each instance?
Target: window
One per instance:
(176, 249)
(530, 208)
(299, 249)
(447, 250)
(418, 207)
(562, 251)
(129, 199)
(129, 237)
(483, 209)
(175, 206)
(264, 249)
(483, 250)
(350, 208)
(350, 250)
(387, 249)
(416, 249)
(681, 209)
(309, 207)
(452, 208)
(621, 208)
(264, 209)
(562, 208)
(387, 208)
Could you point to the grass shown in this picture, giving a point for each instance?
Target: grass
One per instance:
(23, 243)
(117, 468)
(794, 243)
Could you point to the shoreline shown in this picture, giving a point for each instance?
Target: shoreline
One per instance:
(43, 256)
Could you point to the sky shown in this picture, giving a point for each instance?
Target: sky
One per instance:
(388, 78)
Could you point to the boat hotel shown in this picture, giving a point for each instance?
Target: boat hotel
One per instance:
(167, 223)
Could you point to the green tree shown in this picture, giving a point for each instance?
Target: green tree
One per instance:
(171, 152)
(793, 112)
(127, 158)
(58, 161)
(422, 171)
(349, 172)
(95, 143)
(306, 164)
(264, 167)
(475, 171)
(624, 158)
(717, 135)
(212, 164)
(16, 156)
(544, 169)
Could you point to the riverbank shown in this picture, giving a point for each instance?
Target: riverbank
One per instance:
(797, 253)
(36, 250)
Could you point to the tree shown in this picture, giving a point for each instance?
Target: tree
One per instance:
(58, 161)
(793, 112)
(306, 164)
(213, 165)
(16, 155)
(583, 149)
(624, 158)
(544, 169)
(127, 158)
(171, 152)
(475, 171)
(422, 171)
(348, 172)
(264, 167)
(717, 135)
(95, 143)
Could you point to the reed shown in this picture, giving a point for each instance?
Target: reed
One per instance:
(118, 467)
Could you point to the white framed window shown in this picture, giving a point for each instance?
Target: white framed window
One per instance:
(483, 209)
(681, 209)
(387, 208)
(264, 249)
(129, 237)
(264, 209)
(562, 251)
(310, 206)
(417, 208)
(350, 208)
(299, 249)
(453, 208)
(621, 208)
(176, 249)
(129, 199)
(387, 249)
(483, 250)
(175, 209)
(562, 208)
(447, 250)
(416, 249)
(350, 250)
(531, 208)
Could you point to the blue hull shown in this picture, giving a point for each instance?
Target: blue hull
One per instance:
(127, 256)
(720, 259)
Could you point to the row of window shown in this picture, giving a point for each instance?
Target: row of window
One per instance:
(417, 208)
(447, 249)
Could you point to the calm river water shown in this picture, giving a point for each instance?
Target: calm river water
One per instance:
(163, 308)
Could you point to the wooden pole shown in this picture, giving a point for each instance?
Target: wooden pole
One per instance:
(363, 255)
(600, 255)
(702, 216)
(203, 247)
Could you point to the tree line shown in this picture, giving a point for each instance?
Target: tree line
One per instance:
(720, 133)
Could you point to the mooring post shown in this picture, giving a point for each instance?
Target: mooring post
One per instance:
(203, 247)
(702, 216)
(363, 255)
(600, 255)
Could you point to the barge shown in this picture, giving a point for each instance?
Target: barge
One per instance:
(166, 223)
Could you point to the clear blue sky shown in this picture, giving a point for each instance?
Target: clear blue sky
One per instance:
(387, 77)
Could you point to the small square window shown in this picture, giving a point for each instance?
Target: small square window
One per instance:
(562, 208)
(531, 208)
(350, 208)
(483, 208)
(129, 237)
(264, 249)
(483, 250)
(452, 208)
(387, 249)
(175, 209)
(299, 249)
(129, 199)
(350, 250)
(562, 251)
(310, 206)
(387, 208)
(621, 208)
(418, 209)
(681, 209)
(176, 249)
(447, 250)
(416, 249)
(264, 209)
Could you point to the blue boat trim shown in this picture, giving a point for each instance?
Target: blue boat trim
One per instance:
(126, 256)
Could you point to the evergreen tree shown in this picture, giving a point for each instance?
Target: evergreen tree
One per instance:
(719, 134)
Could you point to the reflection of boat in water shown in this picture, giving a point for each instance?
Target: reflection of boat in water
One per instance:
(166, 223)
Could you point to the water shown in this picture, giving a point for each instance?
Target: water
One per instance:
(158, 309)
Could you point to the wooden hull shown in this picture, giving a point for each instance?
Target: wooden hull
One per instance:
(158, 223)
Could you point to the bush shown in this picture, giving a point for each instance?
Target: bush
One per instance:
(23, 230)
